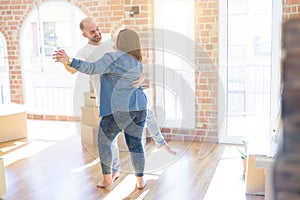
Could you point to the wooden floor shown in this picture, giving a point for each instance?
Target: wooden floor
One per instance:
(53, 164)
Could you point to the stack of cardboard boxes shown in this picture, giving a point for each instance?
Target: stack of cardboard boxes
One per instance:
(287, 164)
(89, 118)
(90, 121)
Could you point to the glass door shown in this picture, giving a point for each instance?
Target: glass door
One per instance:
(249, 61)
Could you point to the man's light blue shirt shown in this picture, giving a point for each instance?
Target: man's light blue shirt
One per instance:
(117, 71)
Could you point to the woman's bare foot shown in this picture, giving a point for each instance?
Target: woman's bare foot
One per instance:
(140, 183)
(106, 182)
(167, 148)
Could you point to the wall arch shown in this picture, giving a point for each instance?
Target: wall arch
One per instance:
(12, 30)
(48, 87)
(108, 13)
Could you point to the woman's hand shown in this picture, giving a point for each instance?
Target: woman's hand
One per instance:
(60, 56)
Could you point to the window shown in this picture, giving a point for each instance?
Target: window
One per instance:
(174, 63)
(4, 73)
(249, 60)
(48, 86)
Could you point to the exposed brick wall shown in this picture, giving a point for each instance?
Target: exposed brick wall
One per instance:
(142, 23)
(11, 18)
(113, 14)
(206, 75)
(284, 187)
(290, 9)
(13, 14)
(206, 37)
(53, 118)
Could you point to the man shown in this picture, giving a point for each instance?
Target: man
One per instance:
(91, 52)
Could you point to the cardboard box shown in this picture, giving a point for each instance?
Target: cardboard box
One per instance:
(255, 177)
(89, 134)
(13, 122)
(2, 179)
(91, 88)
(90, 116)
(90, 99)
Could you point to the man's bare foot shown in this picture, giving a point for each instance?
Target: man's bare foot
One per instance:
(106, 182)
(167, 148)
(115, 175)
(140, 183)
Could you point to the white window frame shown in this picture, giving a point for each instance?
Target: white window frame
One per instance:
(52, 90)
(183, 114)
(275, 70)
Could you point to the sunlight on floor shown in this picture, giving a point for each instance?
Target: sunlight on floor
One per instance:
(158, 160)
(83, 167)
(41, 135)
(127, 186)
(25, 152)
(13, 146)
(228, 178)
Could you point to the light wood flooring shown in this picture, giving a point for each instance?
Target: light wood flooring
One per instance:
(53, 164)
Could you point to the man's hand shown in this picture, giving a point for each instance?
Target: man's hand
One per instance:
(137, 83)
(60, 56)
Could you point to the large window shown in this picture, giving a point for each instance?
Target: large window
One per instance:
(249, 58)
(174, 63)
(48, 87)
(4, 73)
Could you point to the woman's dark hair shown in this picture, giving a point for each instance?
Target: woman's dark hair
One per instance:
(129, 42)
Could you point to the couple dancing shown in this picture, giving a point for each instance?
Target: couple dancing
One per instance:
(118, 74)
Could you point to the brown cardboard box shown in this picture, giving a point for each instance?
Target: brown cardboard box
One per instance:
(89, 134)
(90, 116)
(255, 177)
(91, 88)
(2, 179)
(13, 122)
(90, 99)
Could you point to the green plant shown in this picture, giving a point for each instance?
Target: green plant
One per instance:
(244, 151)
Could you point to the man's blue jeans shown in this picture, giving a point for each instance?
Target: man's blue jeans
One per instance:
(133, 125)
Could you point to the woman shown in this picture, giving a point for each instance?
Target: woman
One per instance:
(122, 107)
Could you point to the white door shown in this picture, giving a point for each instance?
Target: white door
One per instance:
(249, 66)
